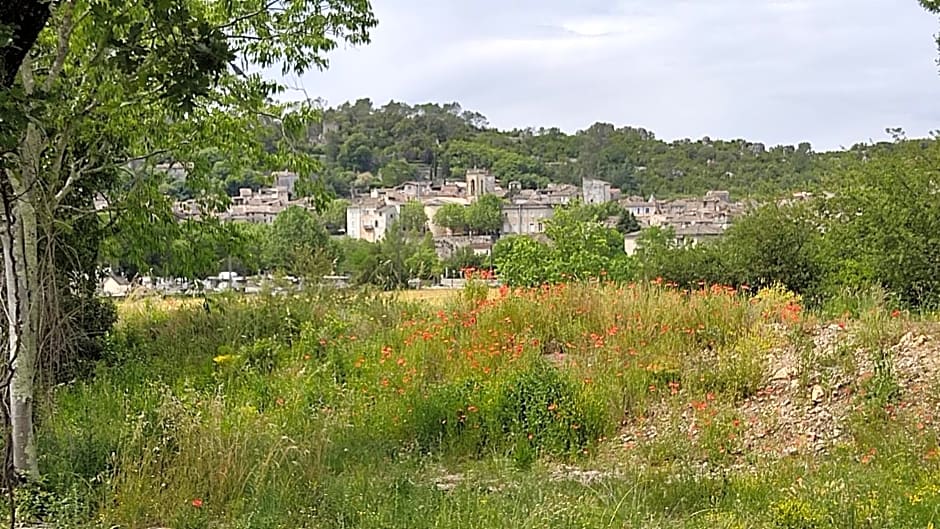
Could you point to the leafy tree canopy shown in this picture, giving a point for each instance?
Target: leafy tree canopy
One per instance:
(413, 218)
(452, 217)
(485, 215)
(299, 244)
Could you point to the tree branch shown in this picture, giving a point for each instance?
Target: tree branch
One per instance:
(69, 182)
(61, 147)
(143, 157)
(249, 16)
(62, 48)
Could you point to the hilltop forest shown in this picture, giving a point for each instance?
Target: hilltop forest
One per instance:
(362, 146)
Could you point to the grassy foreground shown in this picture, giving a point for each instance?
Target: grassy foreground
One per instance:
(569, 406)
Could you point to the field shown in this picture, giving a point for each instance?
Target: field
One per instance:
(565, 406)
(431, 296)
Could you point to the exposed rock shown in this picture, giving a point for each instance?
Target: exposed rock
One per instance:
(916, 359)
(786, 417)
(818, 393)
(585, 477)
(448, 482)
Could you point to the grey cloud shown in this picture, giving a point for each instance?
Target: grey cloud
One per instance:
(833, 72)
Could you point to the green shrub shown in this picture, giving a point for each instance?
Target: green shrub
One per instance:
(37, 502)
(882, 388)
(546, 408)
(736, 370)
(449, 417)
(796, 513)
(532, 411)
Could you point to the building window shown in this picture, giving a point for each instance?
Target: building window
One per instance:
(376, 223)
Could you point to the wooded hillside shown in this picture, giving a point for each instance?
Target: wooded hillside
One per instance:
(365, 146)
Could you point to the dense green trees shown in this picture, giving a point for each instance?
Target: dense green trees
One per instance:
(522, 261)
(452, 217)
(884, 223)
(776, 245)
(298, 244)
(878, 228)
(399, 142)
(463, 258)
(396, 173)
(356, 138)
(483, 217)
(583, 249)
(334, 216)
(391, 263)
(413, 218)
(580, 248)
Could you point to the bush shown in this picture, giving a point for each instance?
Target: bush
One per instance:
(449, 418)
(538, 410)
(776, 245)
(545, 410)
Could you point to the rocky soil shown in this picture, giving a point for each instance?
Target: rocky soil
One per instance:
(807, 397)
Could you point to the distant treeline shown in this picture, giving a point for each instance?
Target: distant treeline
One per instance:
(362, 146)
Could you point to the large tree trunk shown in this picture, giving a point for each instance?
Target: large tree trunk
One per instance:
(25, 18)
(23, 198)
(22, 339)
(23, 357)
(11, 309)
(22, 292)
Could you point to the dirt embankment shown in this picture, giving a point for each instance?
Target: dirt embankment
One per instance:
(809, 394)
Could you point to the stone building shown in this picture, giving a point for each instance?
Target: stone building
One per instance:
(693, 220)
(369, 219)
(698, 234)
(480, 182)
(641, 208)
(260, 207)
(526, 219)
(595, 191)
(286, 180)
(416, 188)
(559, 194)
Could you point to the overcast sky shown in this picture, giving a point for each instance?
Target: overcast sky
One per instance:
(832, 72)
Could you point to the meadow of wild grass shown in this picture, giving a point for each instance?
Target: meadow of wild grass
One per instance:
(564, 406)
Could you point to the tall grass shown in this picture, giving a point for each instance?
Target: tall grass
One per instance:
(333, 409)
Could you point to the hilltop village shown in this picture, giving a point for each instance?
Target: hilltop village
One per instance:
(524, 211)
